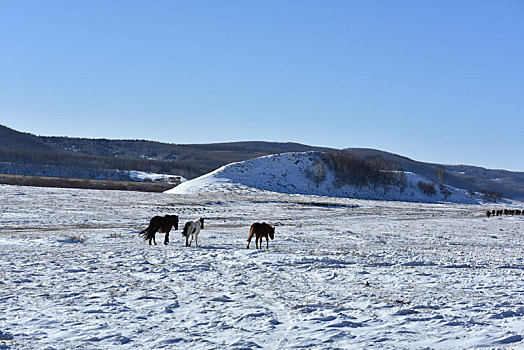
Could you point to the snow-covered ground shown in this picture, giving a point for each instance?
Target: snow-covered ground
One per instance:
(288, 173)
(341, 273)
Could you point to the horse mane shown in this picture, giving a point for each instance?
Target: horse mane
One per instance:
(172, 220)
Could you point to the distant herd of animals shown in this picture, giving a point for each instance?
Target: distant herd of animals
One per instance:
(164, 224)
(504, 212)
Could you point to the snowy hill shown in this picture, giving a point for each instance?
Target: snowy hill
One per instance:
(292, 173)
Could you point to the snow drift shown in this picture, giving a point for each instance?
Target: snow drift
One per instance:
(293, 173)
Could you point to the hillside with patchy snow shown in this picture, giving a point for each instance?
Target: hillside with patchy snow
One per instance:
(292, 173)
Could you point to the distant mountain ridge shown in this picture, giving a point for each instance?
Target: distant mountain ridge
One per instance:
(188, 161)
(13, 139)
(27, 154)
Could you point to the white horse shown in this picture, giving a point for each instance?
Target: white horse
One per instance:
(192, 228)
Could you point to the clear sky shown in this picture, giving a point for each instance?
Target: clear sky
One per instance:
(439, 81)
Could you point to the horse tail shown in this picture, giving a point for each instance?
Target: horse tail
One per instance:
(186, 228)
(251, 232)
(147, 233)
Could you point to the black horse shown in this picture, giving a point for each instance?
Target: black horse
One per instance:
(160, 224)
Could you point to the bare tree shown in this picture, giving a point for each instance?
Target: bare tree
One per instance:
(317, 171)
(441, 173)
(427, 188)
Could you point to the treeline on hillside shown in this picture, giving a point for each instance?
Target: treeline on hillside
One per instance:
(114, 148)
(218, 153)
(21, 158)
(43, 181)
(256, 147)
(63, 171)
(376, 171)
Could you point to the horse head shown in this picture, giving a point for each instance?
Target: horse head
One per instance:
(201, 223)
(271, 232)
(173, 220)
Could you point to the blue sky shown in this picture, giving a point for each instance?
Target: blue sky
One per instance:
(439, 81)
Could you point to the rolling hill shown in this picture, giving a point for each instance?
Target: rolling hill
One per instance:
(294, 173)
(27, 154)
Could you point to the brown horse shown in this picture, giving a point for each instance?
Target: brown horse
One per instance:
(261, 230)
(160, 224)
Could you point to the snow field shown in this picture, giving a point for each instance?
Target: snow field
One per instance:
(341, 273)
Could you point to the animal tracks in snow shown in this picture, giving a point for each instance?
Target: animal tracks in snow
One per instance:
(357, 274)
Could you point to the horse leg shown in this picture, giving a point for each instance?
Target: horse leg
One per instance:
(166, 238)
(187, 240)
(194, 235)
(267, 242)
(256, 241)
(249, 239)
(154, 239)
